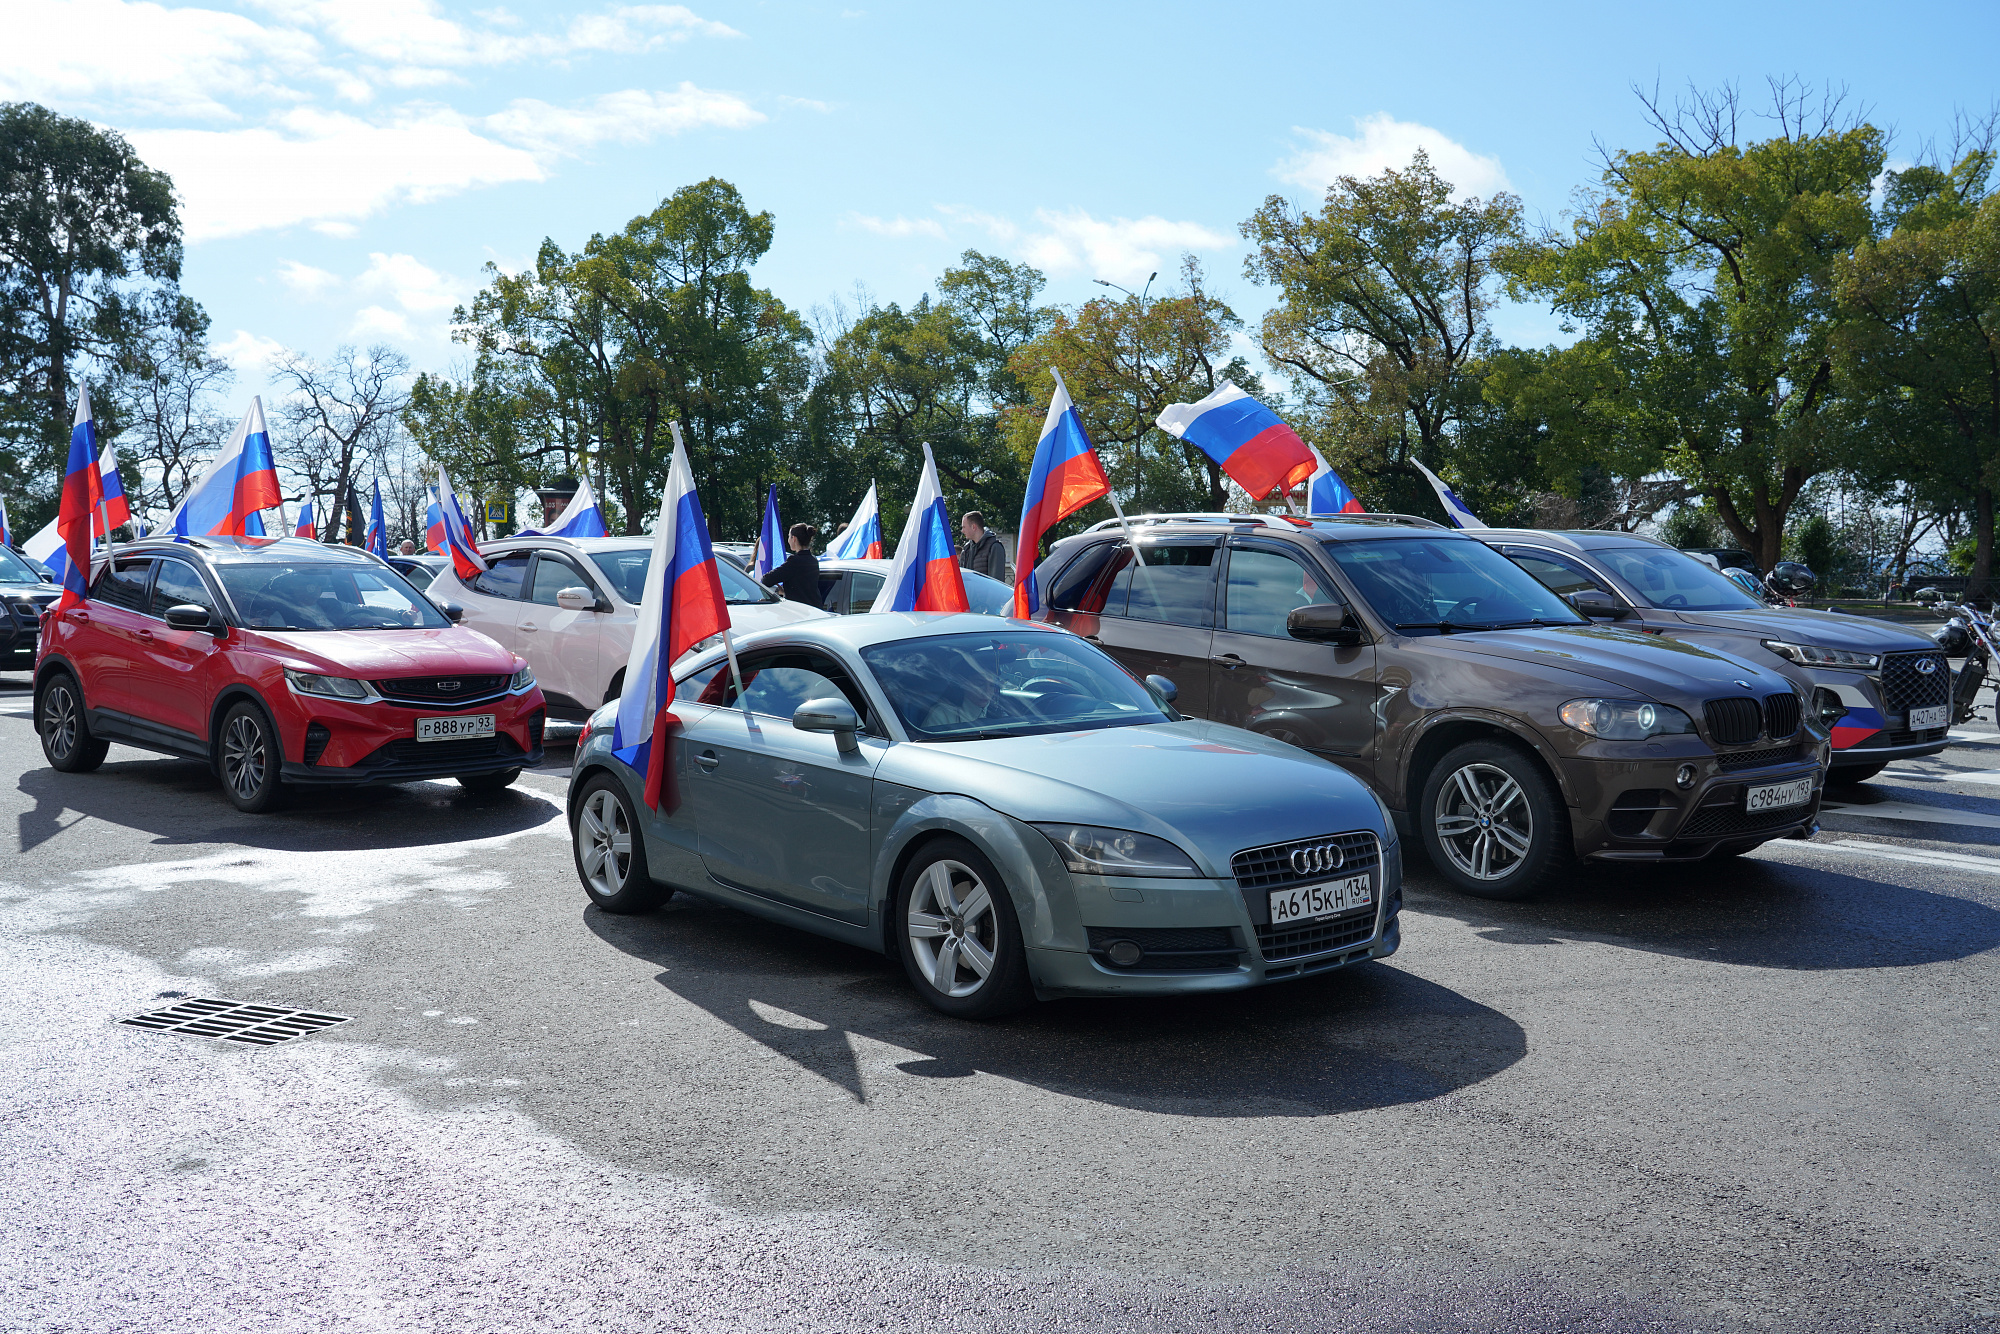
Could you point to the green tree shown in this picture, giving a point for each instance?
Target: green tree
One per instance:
(1701, 273)
(90, 256)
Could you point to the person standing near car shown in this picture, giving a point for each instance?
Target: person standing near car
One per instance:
(982, 552)
(799, 575)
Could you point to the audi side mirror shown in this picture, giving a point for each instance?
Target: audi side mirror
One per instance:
(830, 714)
(187, 616)
(577, 599)
(1325, 623)
(1594, 603)
(451, 611)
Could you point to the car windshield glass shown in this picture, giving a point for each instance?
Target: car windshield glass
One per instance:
(14, 570)
(311, 596)
(975, 687)
(1424, 585)
(987, 596)
(627, 572)
(1668, 578)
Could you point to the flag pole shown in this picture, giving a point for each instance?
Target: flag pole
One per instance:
(1110, 495)
(728, 638)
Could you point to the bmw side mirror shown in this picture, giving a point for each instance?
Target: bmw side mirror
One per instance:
(452, 611)
(577, 599)
(1325, 623)
(1164, 688)
(830, 714)
(1595, 603)
(187, 616)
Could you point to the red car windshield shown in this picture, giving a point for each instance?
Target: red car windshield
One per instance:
(314, 596)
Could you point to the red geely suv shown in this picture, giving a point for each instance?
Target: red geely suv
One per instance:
(281, 663)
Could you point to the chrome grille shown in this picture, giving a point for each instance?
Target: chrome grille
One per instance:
(1272, 867)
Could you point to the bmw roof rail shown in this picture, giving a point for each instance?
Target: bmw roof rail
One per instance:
(1264, 520)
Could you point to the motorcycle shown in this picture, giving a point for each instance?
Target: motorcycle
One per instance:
(1969, 634)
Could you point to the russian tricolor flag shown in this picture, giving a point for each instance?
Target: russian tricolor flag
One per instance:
(1245, 438)
(862, 538)
(231, 496)
(6, 525)
(1326, 493)
(924, 576)
(682, 606)
(377, 539)
(770, 539)
(434, 524)
(116, 510)
(1461, 513)
(1064, 477)
(306, 527)
(466, 561)
(582, 517)
(76, 514)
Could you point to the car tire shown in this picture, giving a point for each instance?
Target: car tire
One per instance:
(951, 894)
(248, 759)
(617, 881)
(498, 781)
(64, 727)
(1853, 773)
(1493, 822)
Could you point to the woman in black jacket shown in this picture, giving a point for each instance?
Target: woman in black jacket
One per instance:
(799, 575)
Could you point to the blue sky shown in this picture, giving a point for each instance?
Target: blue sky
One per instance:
(347, 166)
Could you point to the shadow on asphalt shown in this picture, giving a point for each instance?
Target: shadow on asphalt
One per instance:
(181, 802)
(1733, 910)
(1367, 1036)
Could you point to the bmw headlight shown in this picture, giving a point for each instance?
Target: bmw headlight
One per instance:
(1624, 719)
(523, 678)
(1812, 655)
(332, 687)
(1089, 850)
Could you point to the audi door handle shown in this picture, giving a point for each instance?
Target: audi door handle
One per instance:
(1229, 660)
(708, 759)
(528, 625)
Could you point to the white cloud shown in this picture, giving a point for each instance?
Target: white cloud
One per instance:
(305, 280)
(1120, 249)
(642, 28)
(898, 226)
(1381, 142)
(416, 287)
(248, 352)
(379, 323)
(805, 103)
(629, 117)
(317, 166)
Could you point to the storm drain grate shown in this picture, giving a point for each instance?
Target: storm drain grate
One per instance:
(236, 1021)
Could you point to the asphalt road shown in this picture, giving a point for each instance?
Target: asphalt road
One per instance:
(1759, 1094)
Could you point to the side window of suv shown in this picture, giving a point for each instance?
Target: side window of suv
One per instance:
(1175, 583)
(552, 575)
(1085, 584)
(179, 585)
(1559, 576)
(1264, 587)
(503, 576)
(123, 583)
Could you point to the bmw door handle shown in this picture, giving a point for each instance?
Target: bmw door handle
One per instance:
(1229, 660)
(708, 759)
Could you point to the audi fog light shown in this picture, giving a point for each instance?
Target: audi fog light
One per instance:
(1624, 719)
(1089, 850)
(1124, 953)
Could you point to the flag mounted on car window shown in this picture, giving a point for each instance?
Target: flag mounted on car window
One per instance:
(377, 541)
(924, 576)
(682, 605)
(1064, 477)
(466, 562)
(1246, 439)
(306, 527)
(238, 487)
(770, 539)
(862, 538)
(1326, 493)
(82, 493)
(581, 517)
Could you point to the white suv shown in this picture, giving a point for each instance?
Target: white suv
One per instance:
(568, 605)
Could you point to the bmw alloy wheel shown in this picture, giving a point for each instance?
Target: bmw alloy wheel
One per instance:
(606, 843)
(954, 932)
(243, 760)
(1483, 821)
(59, 717)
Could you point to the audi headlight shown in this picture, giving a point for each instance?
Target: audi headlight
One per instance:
(1088, 850)
(1812, 655)
(1624, 719)
(523, 678)
(333, 687)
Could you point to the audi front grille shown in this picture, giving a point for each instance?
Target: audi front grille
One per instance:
(1305, 860)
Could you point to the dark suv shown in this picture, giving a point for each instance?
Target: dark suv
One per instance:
(1509, 732)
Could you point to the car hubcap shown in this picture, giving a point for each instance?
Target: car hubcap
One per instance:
(243, 756)
(954, 933)
(59, 721)
(1483, 821)
(606, 839)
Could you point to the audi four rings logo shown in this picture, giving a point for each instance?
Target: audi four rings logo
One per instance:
(1318, 859)
(1926, 665)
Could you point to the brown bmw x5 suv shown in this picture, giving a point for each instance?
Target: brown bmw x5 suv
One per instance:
(1509, 733)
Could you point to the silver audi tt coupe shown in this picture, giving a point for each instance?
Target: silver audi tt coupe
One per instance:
(997, 804)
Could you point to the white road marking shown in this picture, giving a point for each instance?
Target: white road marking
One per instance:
(1965, 734)
(1915, 856)
(1947, 775)
(1904, 810)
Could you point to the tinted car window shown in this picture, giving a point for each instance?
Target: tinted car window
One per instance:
(1264, 586)
(627, 572)
(14, 570)
(503, 575)
(310, 596)
(863, 588)
(1174, 584)
(1426, 585)
(123, 584)
(178, 585)
(1676, 580)
(972, 687)
(776, 683)
(1557, 575)
(552, 575)
(1085, 584)
(986, 595)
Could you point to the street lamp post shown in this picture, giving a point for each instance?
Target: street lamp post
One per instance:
(1138, 373)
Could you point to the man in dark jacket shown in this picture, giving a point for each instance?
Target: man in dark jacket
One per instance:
(799, 575)
(981, 551)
